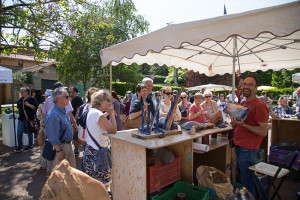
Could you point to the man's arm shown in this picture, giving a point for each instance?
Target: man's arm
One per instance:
(261, 129)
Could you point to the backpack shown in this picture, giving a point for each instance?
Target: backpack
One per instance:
(82, 119)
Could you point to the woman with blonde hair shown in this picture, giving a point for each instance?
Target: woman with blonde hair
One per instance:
(209, 105)
(196, 111)
(96, 125)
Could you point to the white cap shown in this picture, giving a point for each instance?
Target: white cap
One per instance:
(48, 92)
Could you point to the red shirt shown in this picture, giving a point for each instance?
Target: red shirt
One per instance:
(257, 113)
(201, 118)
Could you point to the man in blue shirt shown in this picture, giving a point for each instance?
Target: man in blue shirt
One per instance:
(59, 129)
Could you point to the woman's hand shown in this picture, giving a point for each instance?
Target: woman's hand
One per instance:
(110, 108)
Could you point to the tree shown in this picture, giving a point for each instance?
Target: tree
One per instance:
(181, 77)
(33, 24)
(98, 27)
(283, 78)
(160, 70)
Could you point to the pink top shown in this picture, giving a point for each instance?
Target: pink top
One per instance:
(49, 104)
(194, 108)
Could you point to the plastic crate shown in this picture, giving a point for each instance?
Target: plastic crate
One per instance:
(192, 192)
(159, 177)
(278, 155)
(261, 156)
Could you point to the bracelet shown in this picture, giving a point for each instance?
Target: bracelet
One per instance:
(59, 151)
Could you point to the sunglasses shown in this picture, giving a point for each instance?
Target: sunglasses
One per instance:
(66, 96)
(168, 93)
(207, 96)
(182, 97)
(157, 95)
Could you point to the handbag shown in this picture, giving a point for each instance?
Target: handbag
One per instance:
(134, 123)
(32, 125)
(49, 152)
(103, 161)
(41, 135)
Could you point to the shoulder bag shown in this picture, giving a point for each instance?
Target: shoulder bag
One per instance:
(49, 152)
(103, 161)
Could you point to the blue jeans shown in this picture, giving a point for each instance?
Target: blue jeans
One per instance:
(245, 159)
(22, 127)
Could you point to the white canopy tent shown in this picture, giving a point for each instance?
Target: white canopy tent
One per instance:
(262, 39)
(212, 87)
(6, 76)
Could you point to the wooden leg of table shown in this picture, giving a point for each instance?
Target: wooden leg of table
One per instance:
(185, 151)
(128, 170)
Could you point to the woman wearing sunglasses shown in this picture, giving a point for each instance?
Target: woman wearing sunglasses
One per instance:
(166, 104)
(209, 105)
(184, 107)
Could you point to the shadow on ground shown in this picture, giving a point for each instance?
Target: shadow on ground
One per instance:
(21, 176)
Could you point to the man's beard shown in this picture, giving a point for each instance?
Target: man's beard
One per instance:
(247, 92)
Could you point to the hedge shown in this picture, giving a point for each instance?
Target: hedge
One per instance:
(122, 87)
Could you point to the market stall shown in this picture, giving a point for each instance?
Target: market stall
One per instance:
(129, 180)
(256, 40)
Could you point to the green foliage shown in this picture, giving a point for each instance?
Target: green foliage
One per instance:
(126, 73)
(122, 87)
(99, 26)
(181, 77)
(160, 70)
(283, 78)
(31, 24)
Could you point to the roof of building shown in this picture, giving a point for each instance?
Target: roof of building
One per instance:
(36, 67)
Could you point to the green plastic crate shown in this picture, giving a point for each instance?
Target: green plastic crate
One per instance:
(192, 192)
(261, 152)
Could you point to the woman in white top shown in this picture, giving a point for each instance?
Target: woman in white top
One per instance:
(96, 125)
(209, 105)
(165, 105)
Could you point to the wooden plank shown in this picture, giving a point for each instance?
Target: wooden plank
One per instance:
(185, 151)
(128, 170)
(154, 135)
(166, 141)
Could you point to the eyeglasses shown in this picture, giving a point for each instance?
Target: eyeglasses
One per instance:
(207, 96)
(182, 97)
(66, 96)
(157, 95)
(69, 92)
(168, 93)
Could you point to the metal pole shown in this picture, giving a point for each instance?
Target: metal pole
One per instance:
(13, 108)
(233, 69)
(110, 77)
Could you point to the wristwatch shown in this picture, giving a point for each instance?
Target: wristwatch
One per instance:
(59, 151)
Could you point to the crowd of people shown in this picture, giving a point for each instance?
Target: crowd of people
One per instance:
(67, 120)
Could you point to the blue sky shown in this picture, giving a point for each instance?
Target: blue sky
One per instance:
(161, 12)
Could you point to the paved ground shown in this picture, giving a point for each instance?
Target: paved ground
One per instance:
(20, 173)
(22, 178)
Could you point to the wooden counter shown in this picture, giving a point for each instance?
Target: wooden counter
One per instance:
(129, 159)
(285, 130)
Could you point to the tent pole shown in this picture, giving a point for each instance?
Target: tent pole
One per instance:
(110, 77)
(233, 69)
(292, 91)
(13, 108)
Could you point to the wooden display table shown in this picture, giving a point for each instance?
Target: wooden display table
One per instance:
(285, 130)
(129, 159)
